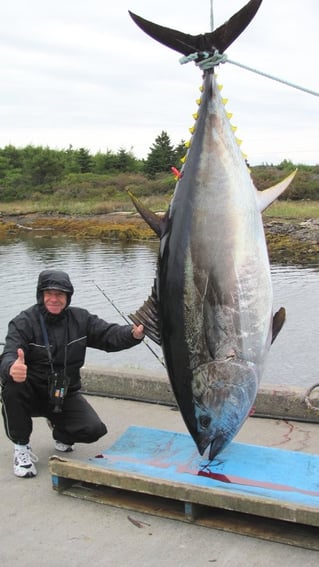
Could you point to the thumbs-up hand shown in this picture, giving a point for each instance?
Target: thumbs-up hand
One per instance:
(18, 370)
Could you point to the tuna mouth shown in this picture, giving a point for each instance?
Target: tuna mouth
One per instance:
(216, 446)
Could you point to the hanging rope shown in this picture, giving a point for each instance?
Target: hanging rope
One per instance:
(211, 16)
(293, 85)
(206, 61)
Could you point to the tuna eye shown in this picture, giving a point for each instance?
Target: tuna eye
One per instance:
(204, 421)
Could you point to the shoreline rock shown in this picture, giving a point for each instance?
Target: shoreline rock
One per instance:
(289, 241)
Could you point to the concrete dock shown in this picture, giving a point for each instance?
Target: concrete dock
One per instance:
(40, 526)
(278, 401)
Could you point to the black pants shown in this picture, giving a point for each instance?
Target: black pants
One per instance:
(77, 423)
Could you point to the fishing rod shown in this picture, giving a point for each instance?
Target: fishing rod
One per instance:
(129, 322)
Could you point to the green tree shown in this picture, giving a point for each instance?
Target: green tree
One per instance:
(126, 161)
(4, 166)
(42, 166)
(71, 161)
(180, 152)
(104, 163)
(161, 157)
(12, 186)
(13, 155)
(84, 160)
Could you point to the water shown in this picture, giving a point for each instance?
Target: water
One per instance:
(126, 272)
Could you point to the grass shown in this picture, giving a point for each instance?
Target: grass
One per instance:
(293, 210)
(51, 205)
(297, 210)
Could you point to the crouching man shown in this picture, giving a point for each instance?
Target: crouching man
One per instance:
(40, 369)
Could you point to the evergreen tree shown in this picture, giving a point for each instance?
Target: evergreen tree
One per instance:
(84, 160)
(43, 166)
(13, 155)
(126, 161)
(71, 160)
(180, 152)
(161, 157)
(4, 166)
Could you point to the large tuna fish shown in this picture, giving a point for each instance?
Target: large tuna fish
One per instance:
(211, 305)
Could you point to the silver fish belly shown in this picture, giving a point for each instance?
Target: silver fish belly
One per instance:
(217, 246)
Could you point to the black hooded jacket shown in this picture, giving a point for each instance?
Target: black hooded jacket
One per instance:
(69, 334)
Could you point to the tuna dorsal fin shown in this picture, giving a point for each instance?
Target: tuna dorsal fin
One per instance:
(156, 222)
(186, 44)
(147, 315)
(268, 196)
(277, 322)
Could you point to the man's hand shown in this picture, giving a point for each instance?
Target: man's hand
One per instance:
(138, 332)
(18, 370)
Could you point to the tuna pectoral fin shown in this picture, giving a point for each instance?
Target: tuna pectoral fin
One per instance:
(156, 222)
(277, 322)
(266, 197)
(147, 315)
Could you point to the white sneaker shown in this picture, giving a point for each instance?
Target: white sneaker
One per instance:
(23, 461)
(63, 447)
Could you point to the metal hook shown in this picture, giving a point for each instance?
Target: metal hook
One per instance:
(309, 404)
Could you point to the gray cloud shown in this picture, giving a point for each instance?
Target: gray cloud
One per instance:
(83, 74)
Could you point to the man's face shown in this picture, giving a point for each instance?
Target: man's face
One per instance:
(54, 300)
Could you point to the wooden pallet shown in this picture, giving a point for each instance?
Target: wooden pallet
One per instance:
(263, 492)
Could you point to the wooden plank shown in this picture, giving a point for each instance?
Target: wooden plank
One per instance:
(244, 479)
(273, 530)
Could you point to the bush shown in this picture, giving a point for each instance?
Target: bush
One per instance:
(304, 186)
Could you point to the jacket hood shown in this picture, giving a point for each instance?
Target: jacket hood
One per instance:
(54, 279)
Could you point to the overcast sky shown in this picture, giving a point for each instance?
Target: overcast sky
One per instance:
(81, 73)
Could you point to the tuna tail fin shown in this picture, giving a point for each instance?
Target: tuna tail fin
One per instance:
(266, 197)
(220, 39)
(156, 222)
